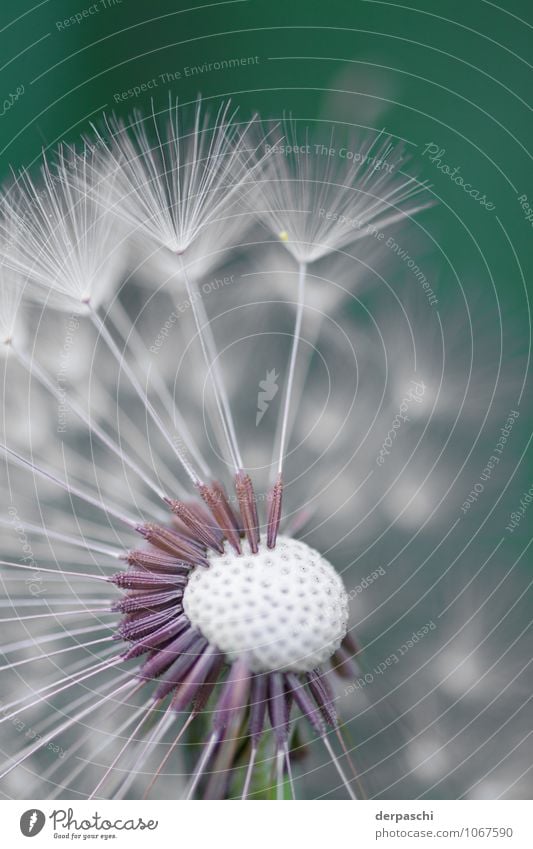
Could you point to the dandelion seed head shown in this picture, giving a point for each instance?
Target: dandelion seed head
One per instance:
(64, 244)
(283, 610)
(318, 198)
(210, 251)
(171, 183)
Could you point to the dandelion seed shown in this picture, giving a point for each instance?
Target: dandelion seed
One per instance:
(316, 201)
(61, 239)
(172, 182)
(172, 187)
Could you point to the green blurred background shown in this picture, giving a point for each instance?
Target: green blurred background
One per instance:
(453, 73)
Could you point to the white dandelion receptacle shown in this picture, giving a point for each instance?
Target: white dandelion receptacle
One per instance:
(284, 610)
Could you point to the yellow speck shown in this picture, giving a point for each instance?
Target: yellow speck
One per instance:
(284, 236)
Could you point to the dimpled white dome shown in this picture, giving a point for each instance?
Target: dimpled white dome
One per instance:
(284, 609)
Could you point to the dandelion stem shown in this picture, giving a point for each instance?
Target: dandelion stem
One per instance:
(304, 365)
(209, 351)
(280, 764)
(53, 571)
(46, 655)
(87, 673)
(249, 773)
(144, 710)
(57, 613)
(199, 771)
(49, 638)
(133, 339)
(338, 767)
(72, 490)
(154, 415)
(350, 761)
(35, 370)
(172, 746)
(63, 727)
(81, 542)
(159, 731)
(302, 271)
(82, 765)
(289, 771)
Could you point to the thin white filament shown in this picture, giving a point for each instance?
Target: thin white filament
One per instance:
(211, 359)
(46, 655)
(54, 571)
(133, 340)
(63, 727)
(83, 699)
(35, 370)
(199, 771)
(159, 731)
(171, 748)
(297, 392)
(302, 269)
(154, 415)
(97, 547)
(93, 670)
(73, 774)
(338, 767)
(56, 613)
(249, 773)
(145, 710)
(280, 765)
(289, 770)
(48, 638)
(72, 490)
